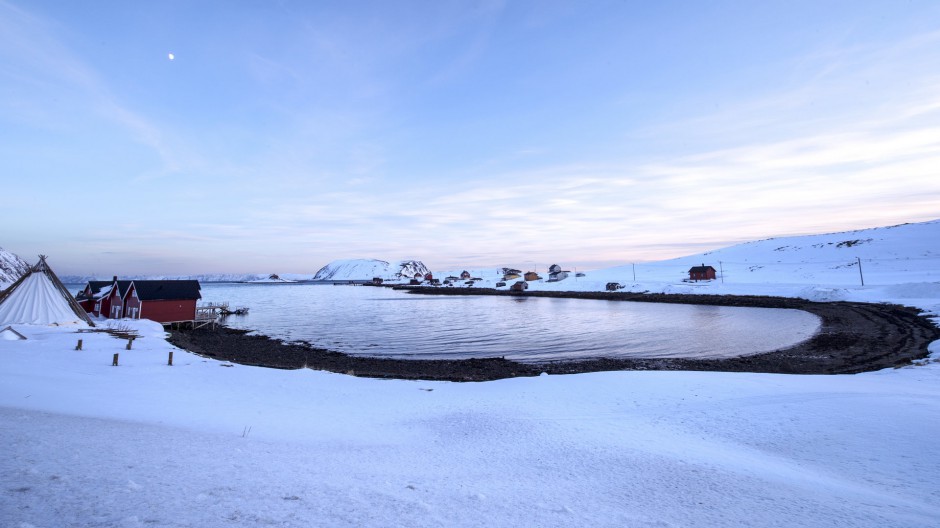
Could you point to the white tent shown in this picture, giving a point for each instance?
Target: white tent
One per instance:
(39, 298)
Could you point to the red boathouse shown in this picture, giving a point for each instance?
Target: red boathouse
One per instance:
(163, 301)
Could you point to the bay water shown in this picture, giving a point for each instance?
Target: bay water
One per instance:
(375, 321)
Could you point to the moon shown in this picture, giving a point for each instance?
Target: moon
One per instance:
(170, 56)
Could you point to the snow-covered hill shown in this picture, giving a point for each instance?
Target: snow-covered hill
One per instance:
(205, 277)
(887, 255)
(11, 268)
(897, 263)
(367, 269)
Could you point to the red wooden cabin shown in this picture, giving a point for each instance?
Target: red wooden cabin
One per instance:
(104, 298)
(163, 301)
(702, 272)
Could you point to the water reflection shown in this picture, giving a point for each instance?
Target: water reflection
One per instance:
(361, 320)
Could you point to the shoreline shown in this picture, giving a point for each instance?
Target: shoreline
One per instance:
(853, 338)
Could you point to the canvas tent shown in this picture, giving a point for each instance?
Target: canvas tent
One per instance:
(38, 297)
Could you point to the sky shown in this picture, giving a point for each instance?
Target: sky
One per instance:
(257, 137)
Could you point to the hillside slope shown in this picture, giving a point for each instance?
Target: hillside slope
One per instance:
(887, 255)
(898, 263)
(11, 268)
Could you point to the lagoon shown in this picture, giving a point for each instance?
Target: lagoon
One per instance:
(382, 322)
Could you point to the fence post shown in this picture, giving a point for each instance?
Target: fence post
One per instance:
(79, 345)
(130, 341)
(170, 361)
(115, 362)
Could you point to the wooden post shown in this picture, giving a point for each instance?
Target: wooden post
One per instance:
(130, 342)
(115, 362)
(79, 345)
(170, 361)
(860, 270)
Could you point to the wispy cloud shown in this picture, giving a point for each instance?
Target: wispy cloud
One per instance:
(345, 134)
(50, 87)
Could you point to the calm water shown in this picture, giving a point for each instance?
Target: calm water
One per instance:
(382, 322)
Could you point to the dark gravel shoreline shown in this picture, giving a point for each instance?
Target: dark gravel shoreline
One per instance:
(854, 337)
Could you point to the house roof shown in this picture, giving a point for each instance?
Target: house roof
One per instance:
(700, 269)
(156, 290)
(100, 289)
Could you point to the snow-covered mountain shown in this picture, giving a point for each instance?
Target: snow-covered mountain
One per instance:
(205, 277)
(367, 269)
(11, 268)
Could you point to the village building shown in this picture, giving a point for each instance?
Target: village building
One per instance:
(555, 273)
(532, 276)
(104, 298)
(510, 274)
(519, 286)
(702, 272)
(164, 301)
(465, 275)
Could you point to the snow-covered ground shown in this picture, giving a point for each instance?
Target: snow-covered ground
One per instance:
(206, 443)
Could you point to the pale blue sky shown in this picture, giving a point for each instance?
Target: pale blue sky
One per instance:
(284, 135)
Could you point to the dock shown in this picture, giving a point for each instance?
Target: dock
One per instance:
(210, 313)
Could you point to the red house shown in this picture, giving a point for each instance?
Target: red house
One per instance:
(702, 272)
(104, 298)
(163, 301)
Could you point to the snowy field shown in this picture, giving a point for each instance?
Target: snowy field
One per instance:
(204, 443)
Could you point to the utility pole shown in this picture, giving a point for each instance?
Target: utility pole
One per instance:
(634, 272)
(860, 270)
(722, 268)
